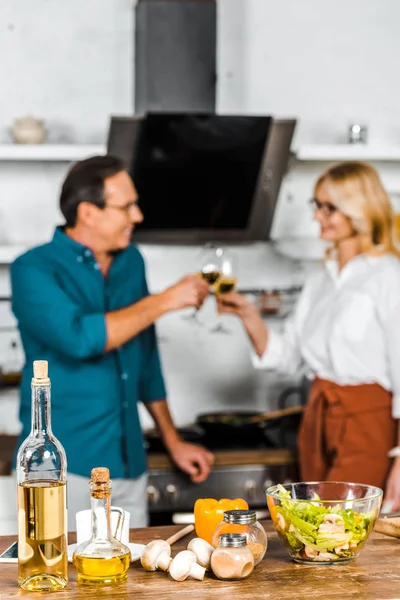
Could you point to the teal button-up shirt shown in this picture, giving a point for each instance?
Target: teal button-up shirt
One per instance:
(60, 297)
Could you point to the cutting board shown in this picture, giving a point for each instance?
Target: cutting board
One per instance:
(388, 525)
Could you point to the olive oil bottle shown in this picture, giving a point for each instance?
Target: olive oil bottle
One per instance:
(41, 497)
(102, 560)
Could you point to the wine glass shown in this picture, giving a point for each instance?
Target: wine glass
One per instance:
(210, 265)
(226, 283)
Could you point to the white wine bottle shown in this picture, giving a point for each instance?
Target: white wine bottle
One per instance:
(42, 503)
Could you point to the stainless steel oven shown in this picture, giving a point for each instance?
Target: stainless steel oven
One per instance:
(237, 474)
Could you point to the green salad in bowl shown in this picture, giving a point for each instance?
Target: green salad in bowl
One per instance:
(324, 522)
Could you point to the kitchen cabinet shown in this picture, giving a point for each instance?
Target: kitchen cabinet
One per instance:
(375, 574)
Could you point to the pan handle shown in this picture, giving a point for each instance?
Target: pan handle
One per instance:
(276, 414)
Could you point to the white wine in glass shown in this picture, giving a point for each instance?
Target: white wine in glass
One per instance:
(212, 276)
(225, 283)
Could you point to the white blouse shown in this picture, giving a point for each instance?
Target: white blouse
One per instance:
(345, 327)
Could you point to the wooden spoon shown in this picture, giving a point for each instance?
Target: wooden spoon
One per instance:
(176, 536)
(180, 534)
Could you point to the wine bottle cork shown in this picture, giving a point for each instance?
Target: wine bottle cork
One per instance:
(100, 475)
(40, 369)
(41, 372)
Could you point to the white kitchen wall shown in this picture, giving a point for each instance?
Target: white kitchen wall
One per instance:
(328, 63)
(71, 63)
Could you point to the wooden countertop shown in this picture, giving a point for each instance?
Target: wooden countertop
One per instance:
(374, 575)
(227, 458)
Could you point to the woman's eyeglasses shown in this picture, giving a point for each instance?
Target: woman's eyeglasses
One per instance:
(326, 208)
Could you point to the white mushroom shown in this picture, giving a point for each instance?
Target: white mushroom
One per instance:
(332, 523)
(311, 552)
(203, 551)
(184, 565)
(342, 547)
(156, 555)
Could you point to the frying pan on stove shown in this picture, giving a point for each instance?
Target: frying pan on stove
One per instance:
(251, 428)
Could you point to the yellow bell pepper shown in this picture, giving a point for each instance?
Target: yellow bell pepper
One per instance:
(208, 514)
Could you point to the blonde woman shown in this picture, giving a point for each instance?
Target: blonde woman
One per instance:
(346, 330)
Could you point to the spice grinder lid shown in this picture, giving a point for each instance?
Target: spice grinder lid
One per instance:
(240, 517)
(232, 540)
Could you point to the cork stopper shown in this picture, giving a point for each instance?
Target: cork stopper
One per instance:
(100, 484)
(41, 372)
(100, 475)
(40, 369)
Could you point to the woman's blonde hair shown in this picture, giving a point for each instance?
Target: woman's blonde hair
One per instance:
(356, 190)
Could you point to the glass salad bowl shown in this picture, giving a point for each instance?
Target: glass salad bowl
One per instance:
(325, 523)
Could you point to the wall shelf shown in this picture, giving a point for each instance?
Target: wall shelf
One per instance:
(309, 153)
(49, 152)
(331, 152)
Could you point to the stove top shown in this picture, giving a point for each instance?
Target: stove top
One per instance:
(244, 474)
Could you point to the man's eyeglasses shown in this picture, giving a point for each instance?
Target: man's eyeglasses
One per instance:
(127, 208)
(327, 208)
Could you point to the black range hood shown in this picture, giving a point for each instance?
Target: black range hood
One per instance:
(203, 177)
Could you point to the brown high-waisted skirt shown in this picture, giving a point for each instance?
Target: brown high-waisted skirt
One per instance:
(346, 433)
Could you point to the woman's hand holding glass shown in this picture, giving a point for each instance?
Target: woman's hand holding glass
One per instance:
(233, 303)
(237, 304)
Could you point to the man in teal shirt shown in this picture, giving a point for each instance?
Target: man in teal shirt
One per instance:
(82, 304)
